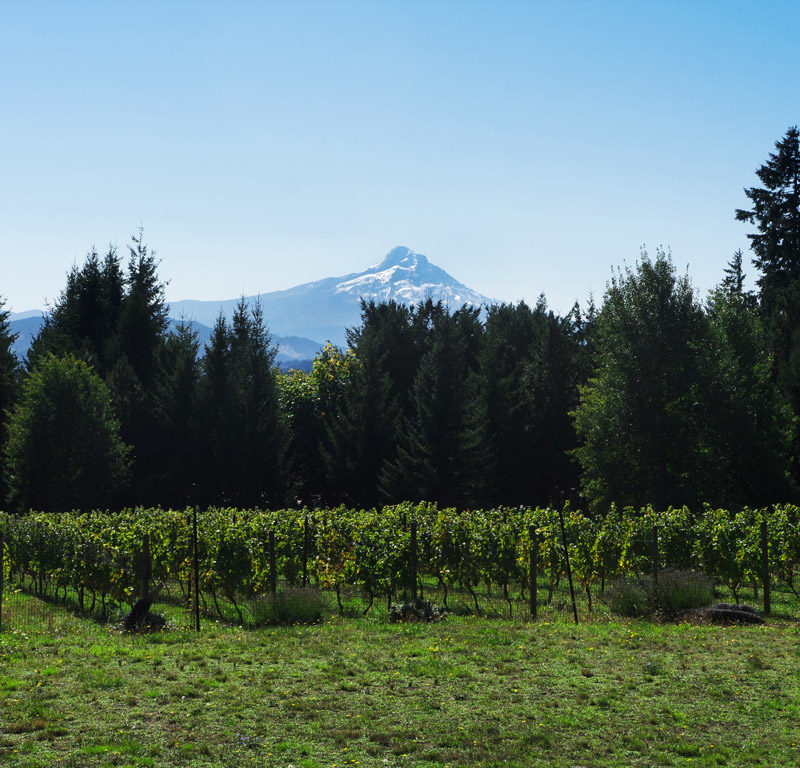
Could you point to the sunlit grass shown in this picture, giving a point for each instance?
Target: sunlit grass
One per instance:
(468, 691)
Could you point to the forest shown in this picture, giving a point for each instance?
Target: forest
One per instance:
(657, 396)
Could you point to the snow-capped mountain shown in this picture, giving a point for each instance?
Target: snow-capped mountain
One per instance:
(322, 310)
(303, 318)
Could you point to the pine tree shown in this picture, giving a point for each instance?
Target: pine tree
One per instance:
(776, 212)
(444, 452)
(178, 418)
(363, 431)
(64, 450)
(750, 423)
(9, 382)
(776, 246)
(244, 460)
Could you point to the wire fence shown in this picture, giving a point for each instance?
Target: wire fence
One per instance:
(296, 584)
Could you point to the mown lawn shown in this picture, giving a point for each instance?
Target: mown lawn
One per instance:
(362, 691)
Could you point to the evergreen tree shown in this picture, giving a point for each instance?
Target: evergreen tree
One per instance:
(116, 320)
(532, 364)
(556, 367)
(750, 423)
(363, 432)
(776, 247)
(84, 321)
(776, 212)
(64, 450)
(444, 454)
(177, 417)
(9, 382)
(246, 449)
(510, 335)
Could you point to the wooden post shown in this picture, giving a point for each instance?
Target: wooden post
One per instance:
(765, 567)
(654, 553)
(273, 571)
(566, 558)
(413, 559)
(305, 550)
(196, 571)
(146, 566)
(2, 576)
(532, 567)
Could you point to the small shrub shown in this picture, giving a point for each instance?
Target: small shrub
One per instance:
(628, 598)
(675, 591)
(681, 590)
(417, 610)
(296, 605)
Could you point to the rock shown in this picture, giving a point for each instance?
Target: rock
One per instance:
(417, 610)
(724, 613)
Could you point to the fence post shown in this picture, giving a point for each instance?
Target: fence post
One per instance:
(196, 571)
(413, 563)
(305, 550)
(765, 566)
(566, 558)
(2, 575)
(147, 567)
(654, 553)
(273, 571)
(533, 567)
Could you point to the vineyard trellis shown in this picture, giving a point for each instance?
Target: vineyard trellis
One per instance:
(240, 555)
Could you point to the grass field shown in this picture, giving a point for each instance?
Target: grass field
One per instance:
(361, 691)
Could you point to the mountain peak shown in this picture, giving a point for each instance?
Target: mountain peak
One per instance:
(325, 308)
(400, 256)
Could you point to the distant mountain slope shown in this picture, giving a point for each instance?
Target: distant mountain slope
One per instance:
(293, 351)
(322, 310)
(26, 329)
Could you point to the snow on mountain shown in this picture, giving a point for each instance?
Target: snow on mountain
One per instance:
(409, 277)
(313, 313)
(323, 309)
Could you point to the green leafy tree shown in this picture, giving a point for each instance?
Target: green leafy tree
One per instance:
(64, 449)
(309, 401)
(640, 419)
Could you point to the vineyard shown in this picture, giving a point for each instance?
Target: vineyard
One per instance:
(241, 555)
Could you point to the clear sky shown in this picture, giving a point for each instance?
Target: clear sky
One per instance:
(523, 147)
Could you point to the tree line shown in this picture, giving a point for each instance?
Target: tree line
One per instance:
(656, 397)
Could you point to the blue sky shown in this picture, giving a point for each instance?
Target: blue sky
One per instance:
(523, 147)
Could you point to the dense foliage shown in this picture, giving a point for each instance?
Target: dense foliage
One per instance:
(100, 555)
(655, 397)
(64, 450)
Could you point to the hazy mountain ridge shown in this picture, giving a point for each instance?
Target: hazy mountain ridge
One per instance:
(323, 309)
(293, 351)
(301, 319)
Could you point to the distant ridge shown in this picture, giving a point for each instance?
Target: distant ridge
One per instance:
(303, 318)
(323, 309)
(293, 351)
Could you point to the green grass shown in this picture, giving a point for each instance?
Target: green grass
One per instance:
(465, 692)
